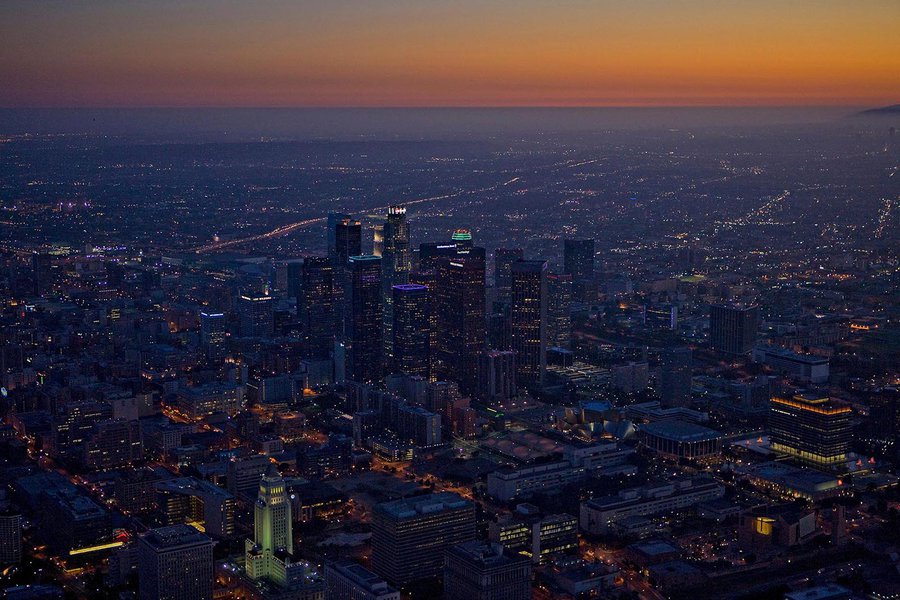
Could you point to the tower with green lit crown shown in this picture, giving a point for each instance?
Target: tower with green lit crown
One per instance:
(268, 554)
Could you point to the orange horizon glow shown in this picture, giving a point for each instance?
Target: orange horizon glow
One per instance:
(488, 53)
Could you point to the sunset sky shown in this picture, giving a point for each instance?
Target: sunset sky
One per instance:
(456, 53)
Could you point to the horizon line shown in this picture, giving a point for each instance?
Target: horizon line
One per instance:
(437, 106)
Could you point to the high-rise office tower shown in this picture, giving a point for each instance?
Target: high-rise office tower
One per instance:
(347, 580)
(479, 571)
(429, 280)
(364, 319)
(496, 376)
(732, 328)
(294, 276)
(395, 266)
(411, 330)
(410, 536)
(675, 376)
(559, 303)
(461, 322)
(331, 233)
(41, 272)
(811, 428)
(316, 307)
(175, 563)
(503, 261)
(10, 537)
(578, 259)
(347, 243)
(213, 335)
(257, 315)
(378, 239)
(528, 321)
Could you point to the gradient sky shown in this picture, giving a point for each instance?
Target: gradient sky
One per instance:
(457, 53)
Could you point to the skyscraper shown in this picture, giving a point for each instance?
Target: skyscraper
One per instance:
(732, 328)
(559, 303)
(330, 234)
(257, 315)
(811, 428)
(578, 259)
(175, 563)
(213, 335)
(316, 308)
(496, 376)
(411, 330)
(675, 376)
(396, 265)
(347, 243)
(529, 320)
(461, 326)
(364, 319)
(410, 536)
(503, 261)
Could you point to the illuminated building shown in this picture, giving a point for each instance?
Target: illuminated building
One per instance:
(316, 307)
(679, 439)
(479, 571)
(347, 243)
(538, 537)
(529, 321)
(197, 502)
(257, 315)
(331, 231)
(175, 563)
(559, 301)
(811, 428)
(396, 266)
(675, 379)
(350, 581)
(732, 328)
(269, 555)
(764, 528)
(600, 514)
(113, 443)
(503, 261)
(211, 398)
(364, 320)
(213, 335)
(459, 301)
(411, 330)
(410, 536)
(72, 428)
(429, 280)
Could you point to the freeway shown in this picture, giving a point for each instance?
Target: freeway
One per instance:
(291, 227)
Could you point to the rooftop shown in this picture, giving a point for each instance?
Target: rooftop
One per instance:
(681, 431)
(418, 505)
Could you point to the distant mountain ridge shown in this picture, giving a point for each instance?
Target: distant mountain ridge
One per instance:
(893, 109)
